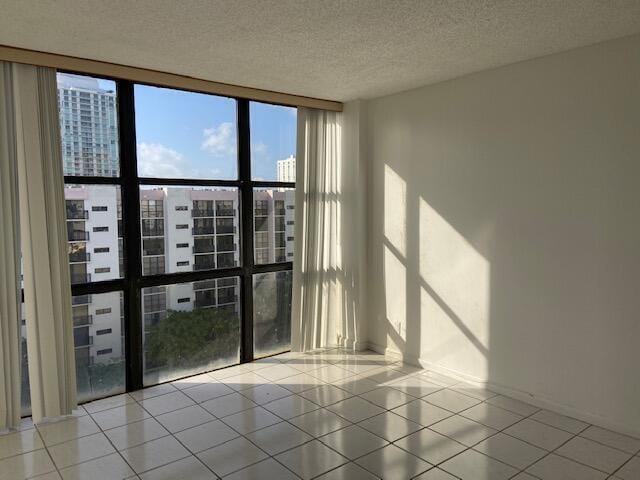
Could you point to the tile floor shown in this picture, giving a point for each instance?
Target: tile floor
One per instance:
(329, 415)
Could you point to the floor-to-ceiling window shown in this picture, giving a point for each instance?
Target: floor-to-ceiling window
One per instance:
(180, 210)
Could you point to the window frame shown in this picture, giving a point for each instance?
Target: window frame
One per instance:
(133, 281)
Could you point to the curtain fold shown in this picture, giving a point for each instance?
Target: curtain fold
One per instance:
(9, 259)
(43, 238)
(326, 303)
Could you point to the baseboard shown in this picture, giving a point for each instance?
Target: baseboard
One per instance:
(524, 396)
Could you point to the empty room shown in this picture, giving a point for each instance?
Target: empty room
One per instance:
(333, 240)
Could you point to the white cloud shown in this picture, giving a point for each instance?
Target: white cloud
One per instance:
(259, 150)
(156, 160)
(220, 140)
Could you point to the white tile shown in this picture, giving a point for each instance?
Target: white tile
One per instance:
(463, 430)
(205, 436)
(593, 454)
(422, 412)
(435, 474)
(231, 456)
(227, 372)
(387, 397)
(80, 450)
(262, 363)
(154, 391)
(136, 433)
(250, 420)
(266, 469)
(107, 403)
(415, 385)
(554, 467)
(524, 476)
(277, 372)
(612, 439)
(630, 470)
(47, 476)
(331, 373)
(539, 434)
(439, 378)
(184, 418)
(19, 442)
(189, 468)
(491, 416)
(244, 380)
(319, 422)
(278, 438)
(384, 376)
(356, 385)
(26, 465)
(265, 393)
(471, 465)
(154, 454)
(116, 417)
(111, 467)
(325, 395)
(515, 406)
(450, 400)
(166, 403)
(510, 450)
(390, 426)
(355, 409)
(430, 446)
(67, 429)
(348, 471)
(481, 393)
(228, 405)
(311, 459)
(307, 365)
(207, 391)
(562, 422)
(405, 367)
(393, 463)
(359, 365)
(291, 406)
(299, 383)
(193, 381)
(353, 441)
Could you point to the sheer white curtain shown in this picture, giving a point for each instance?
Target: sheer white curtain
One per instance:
(9, 259)
(329, 249)
(43, 238)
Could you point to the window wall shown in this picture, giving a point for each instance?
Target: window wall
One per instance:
(180, 228)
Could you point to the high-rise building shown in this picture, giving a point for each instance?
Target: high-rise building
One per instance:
(287, 169)
(88, 127)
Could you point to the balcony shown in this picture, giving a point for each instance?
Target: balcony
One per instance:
(205, 230)
(226, 229)
(225, 212)
(81, 300)
(82, 320)
(79, 257)
(75, 214)
(204, 262)
(78, 236)
(227, 299)
(206, 248)
(80, 278)
(198, 213)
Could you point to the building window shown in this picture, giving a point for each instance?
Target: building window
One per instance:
(101, 250)
(182, 208)
(182, 245)
(104, 351)
(104, 331)
(100, 229)
(99, 208)
(103, 311)
(102, 270)
(182, 226)
(183, 263)
(184, 300)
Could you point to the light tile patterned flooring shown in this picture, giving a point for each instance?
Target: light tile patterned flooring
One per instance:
(330, 415)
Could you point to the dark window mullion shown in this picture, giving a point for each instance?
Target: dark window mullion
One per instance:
(132, 235)
(246, 219)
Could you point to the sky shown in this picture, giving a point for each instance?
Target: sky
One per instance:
(191, 135)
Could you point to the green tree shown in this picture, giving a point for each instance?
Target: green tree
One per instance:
(186, 340)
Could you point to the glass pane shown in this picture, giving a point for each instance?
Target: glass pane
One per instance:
(189, 228)
(98, 333)
(185, 134)
(190, 328)
(273, 222)
(88, 125)
(271, 313)
(94, 232)
(273, 142)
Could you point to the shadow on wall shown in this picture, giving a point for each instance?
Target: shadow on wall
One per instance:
(503, 229)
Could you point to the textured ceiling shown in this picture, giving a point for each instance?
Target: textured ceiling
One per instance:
(339, 50)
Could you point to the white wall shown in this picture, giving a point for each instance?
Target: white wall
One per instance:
(504, 226)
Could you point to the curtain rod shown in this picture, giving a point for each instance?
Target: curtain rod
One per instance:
(162, 79)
